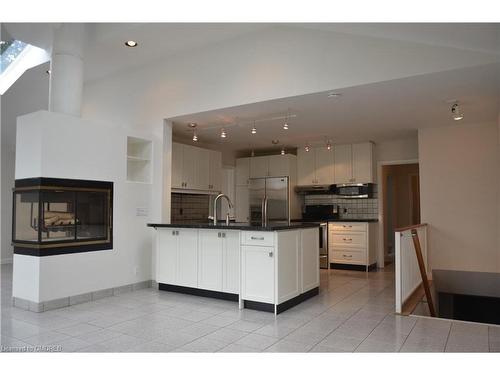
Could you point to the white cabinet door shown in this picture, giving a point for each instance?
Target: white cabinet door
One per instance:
(362, 162)
(189, 167)
(242, 171)
(177, 156)
(343, 164)
(324, 166)
(187, 264)
(215, 180)
(242, 204)
(166, 268)
(305, 167)
(310, 259)
(231, 262)
(210, 260)
(202, 168)
(259, 166)
(279, 165)
(258, 273)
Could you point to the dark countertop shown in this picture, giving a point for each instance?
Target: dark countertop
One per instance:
(238, 226)
(341, 221)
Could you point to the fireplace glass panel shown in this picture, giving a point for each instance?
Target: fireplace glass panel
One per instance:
(92, 214)
(26, 218)
(58, 216)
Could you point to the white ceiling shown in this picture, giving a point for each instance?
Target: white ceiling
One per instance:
(105, 51)
(381, 111)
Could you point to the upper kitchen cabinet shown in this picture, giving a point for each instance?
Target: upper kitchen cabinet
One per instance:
(259, 166)
(354, 163)
(177, 159)
(362, 162)
(315, 167)
(343, 164)
(195, 168)
(215, 171)
(272, 166)
(242, 171)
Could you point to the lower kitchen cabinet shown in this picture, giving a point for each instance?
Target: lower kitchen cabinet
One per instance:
(219, 261)
(178, 257)
(257, 279)
(264, 270)
(352, 245)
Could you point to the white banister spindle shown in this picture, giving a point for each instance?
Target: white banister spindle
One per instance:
(408, 277)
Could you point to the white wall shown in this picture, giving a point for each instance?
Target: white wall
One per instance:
(396, 150)
(28, 94)
(75, 148)
(459, 186)
(269, 64)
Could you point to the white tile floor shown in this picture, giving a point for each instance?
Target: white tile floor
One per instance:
(352, 313)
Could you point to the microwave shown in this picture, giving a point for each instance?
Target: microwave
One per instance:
(354, 190)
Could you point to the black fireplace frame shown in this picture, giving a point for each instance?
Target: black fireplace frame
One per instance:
(38, 248)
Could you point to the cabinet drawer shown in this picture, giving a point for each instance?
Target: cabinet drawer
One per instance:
(347, 227)
(354, 239)
(350, 257)
(257, 238)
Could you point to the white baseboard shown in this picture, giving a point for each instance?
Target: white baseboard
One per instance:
(6, 261)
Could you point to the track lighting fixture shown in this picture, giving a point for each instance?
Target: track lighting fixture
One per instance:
(285, 125)
(195, 137)
(283, 151)
(254, 129)
(456, 112)
(252, 154)
(307, 148)
(328, 146)
(223, 133)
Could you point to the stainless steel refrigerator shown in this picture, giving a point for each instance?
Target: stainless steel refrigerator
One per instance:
(269, 200)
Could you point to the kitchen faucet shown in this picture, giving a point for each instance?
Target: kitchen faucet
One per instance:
(214, 216)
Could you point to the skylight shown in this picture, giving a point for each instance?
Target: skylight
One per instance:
(9, 50)
(15, 58)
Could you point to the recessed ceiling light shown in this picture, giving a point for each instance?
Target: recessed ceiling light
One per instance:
(223, 133)
(334, 95)
(329, 146)
(285, 125)
(307, 148)
(131, 43)
(195, 137)
(275, 141)
(283, 150)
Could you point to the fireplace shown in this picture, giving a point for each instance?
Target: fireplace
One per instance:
(54, 216)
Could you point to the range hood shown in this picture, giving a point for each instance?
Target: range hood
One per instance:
(314, 189)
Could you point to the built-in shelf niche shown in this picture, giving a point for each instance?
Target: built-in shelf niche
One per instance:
(139, 154)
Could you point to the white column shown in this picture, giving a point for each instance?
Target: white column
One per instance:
(167, 170)
(66, 77)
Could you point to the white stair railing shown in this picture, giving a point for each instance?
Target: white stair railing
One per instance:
(409, 274)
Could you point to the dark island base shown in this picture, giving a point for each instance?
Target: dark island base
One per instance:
(198, 292)
(269, 307)
(70, 249)
(352, 267)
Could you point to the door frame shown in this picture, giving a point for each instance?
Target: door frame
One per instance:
(380, 189)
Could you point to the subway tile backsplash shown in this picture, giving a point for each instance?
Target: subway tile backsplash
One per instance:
(366, 208)
(189, 208)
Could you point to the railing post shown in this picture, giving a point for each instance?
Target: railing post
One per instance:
(423, 271)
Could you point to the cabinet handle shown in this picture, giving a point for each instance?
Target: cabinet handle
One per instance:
(270, 254)
(257, 238)
(223, 235)
(347, 256)
(173, 233)
(218, 234)
(347, 239)
(176, 232)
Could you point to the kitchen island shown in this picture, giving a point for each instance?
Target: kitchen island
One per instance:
(269, 268)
